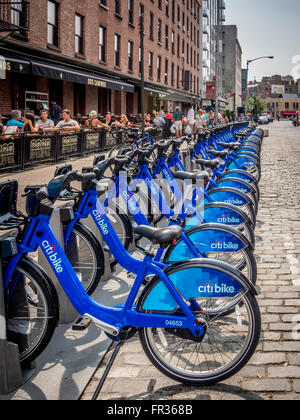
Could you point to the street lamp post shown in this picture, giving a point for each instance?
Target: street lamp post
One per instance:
(271, 57)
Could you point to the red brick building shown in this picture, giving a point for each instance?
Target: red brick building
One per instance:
(86, 55)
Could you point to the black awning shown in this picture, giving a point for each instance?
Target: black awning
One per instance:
(76, 75)
(176, 96)
(13, 64)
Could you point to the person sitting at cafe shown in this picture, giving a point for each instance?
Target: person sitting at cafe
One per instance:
(2, 130)
(15, 120)
(124, 122)
(94, 122)
(148, 120)
(30, 124)
(45, 124)
(157, 120)
(67, 123)
(108, 119)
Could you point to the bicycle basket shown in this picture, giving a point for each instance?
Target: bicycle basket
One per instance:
(8, 200)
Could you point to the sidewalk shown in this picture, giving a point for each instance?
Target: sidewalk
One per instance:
(274, 371)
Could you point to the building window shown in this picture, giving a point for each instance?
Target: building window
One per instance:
(173, 11)
(173, 42)
(172, 74)
(166, 71)
(117, 46)
(130, 56)
(103, 3)
(52, 38)
(79, 34)
(102, 44)
(167, 37)
(158, 68)
(118, 7)
(131, 12)
(151, 26)
(18, 14)
(159, 31)
(150, 65)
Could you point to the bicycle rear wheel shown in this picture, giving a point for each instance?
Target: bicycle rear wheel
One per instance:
(228, 344)
(32, 310)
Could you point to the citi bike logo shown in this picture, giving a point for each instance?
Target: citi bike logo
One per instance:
(52, 254)
(151, 186)
(130, 201)
(210, 289)
(167, 175)
(223, 245)
(100, 221)
(234, 201)
(227, 219)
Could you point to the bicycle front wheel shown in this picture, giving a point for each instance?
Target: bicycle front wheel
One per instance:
(86, 257)
(32, 310)
(227, 346)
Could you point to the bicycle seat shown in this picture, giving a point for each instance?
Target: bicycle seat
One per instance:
(212, 164)
(164, 237)
(191, 175)
(219, 153)
(230, 146)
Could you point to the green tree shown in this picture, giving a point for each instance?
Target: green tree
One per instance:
(255, 105)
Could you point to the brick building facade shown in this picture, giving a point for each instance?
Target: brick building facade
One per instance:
(86, 54)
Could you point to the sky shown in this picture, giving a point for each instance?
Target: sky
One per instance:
(266, 28)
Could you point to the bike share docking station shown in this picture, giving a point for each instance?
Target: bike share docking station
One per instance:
(68, 314)
(11, 374)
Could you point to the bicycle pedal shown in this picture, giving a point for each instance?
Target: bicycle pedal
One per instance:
(82, 323)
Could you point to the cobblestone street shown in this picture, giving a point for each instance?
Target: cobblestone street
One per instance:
(274, 371)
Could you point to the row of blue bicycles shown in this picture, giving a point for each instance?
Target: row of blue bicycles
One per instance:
(189, 206)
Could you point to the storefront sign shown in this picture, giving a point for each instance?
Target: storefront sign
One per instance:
(12, 65)
(97, 83)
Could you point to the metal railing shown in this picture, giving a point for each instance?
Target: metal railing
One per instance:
(14, 16)
(23, 150)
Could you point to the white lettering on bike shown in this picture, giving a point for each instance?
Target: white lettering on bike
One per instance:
(100, 221)
(223, 245)
(50, 251)
(210, 288)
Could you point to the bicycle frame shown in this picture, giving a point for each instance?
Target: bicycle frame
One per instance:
(112, 320)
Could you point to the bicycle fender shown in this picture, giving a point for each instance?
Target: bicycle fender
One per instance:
(208, 238)
(194, 278)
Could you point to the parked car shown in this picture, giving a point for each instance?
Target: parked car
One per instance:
(263, 119)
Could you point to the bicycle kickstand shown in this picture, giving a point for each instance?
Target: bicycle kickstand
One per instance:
(108, 368)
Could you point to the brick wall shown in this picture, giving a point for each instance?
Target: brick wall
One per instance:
(95, 15)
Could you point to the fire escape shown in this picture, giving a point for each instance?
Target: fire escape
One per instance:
(14, 18)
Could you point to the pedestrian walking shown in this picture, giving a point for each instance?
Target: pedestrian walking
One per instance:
(191, 118)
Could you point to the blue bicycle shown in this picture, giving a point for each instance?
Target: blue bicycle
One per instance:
(179, 315)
